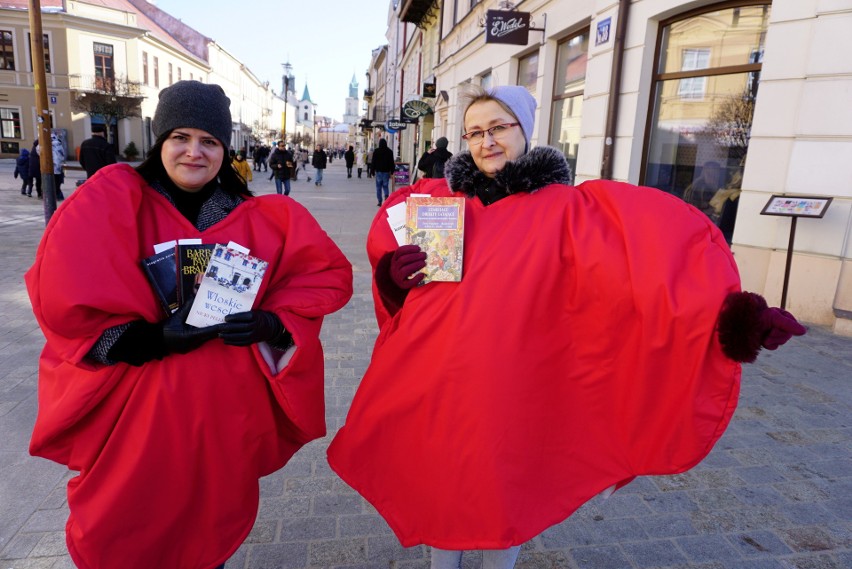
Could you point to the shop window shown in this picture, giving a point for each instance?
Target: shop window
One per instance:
(7, 51)
(705, 88)
(569, 85)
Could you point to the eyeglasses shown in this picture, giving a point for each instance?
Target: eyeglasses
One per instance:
(497, 132)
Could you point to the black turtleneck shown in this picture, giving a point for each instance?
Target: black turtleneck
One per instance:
(189, 203)
(490, 193)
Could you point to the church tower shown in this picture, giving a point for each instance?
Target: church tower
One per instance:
(351, 115)
(307, 110)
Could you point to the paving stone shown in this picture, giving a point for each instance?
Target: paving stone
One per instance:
(654, 553)
(706, 548)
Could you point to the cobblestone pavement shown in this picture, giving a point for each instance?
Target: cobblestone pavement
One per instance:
(775, 493)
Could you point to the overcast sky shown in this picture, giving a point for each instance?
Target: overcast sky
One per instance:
(325, 41)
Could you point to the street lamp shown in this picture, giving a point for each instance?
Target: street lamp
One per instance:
(287, 69)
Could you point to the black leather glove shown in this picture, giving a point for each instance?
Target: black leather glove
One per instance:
(246, 328)
(179, 337)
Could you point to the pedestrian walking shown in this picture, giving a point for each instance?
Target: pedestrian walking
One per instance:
(281, 164)
(96, 152)
(35, 168)
(585, 345)
(171, 426)
(383, 166)
(58, 151)
(22, 169)
(349, 157)
(360, 161)
(241, 166)
(319, 162)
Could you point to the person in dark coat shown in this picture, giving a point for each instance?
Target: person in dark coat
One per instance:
(433, 160)
(96, 152)
(349, 156)
(35, 168)
(282, 165)
(383, 165)
(22, 169)
(319, 162)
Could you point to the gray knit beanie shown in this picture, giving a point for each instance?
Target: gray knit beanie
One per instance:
(521, 103)
(192, 104)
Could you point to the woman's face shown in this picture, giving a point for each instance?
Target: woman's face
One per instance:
(491, 155)
(192, 158)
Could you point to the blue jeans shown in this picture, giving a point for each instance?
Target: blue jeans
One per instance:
(491, 558)
(382, 182)
(285, 182)
(318, 179)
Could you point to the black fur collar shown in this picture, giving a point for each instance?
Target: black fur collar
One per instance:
(537, 168)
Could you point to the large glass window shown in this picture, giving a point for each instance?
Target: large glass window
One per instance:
(704, 92)
(568, 87)
(7, 51)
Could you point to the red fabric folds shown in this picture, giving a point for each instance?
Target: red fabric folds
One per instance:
(579, 351)
(170, 453)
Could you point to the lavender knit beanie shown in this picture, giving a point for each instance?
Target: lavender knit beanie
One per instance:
(522, 104)
(193, 104)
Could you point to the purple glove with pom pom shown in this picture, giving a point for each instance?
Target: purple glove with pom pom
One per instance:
(777, 327)
(747, 323)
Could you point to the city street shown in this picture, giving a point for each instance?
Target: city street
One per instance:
(775, 493)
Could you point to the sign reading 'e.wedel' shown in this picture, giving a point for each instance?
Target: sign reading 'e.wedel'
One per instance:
(502, 26)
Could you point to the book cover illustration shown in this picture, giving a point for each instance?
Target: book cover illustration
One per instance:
(229, 285)
(437, 226)
(192, 260)
(161, 270)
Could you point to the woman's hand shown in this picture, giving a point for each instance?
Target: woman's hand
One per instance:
(404, 263)
(777, 326)
(246, 328)
(181, 338)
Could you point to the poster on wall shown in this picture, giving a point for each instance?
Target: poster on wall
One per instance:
(401, 175)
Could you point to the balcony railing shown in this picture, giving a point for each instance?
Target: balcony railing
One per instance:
(106, 85)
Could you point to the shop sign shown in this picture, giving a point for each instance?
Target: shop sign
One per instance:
(430, 90)
(395, 125)
(508, 27)
(416, 109)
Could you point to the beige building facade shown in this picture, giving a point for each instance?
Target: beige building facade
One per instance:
(737, 101)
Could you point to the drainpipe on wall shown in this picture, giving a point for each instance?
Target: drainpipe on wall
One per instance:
(614, 90)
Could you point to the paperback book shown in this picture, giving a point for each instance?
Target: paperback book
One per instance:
(228, 285)
(436, 224)
(161, 270)
(192, 261)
